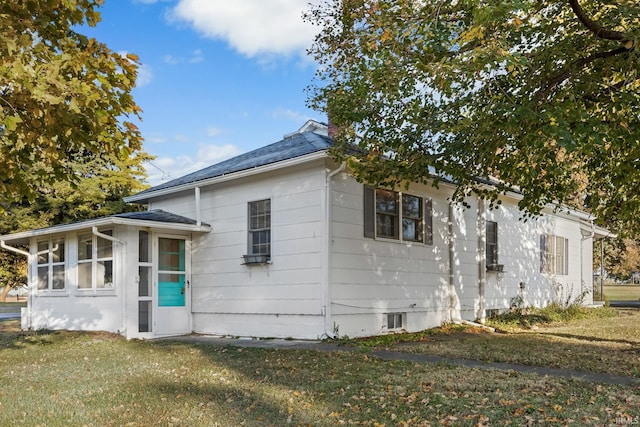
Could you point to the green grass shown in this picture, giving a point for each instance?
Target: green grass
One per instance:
(13, 304)
(622, 292)
(603, 340)
(74, 379)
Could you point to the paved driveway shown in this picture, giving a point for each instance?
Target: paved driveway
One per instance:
(625, 304)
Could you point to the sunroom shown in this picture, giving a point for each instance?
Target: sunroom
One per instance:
(128, 273)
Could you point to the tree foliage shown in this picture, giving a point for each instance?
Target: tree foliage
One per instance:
(61, 95)
(542, 95)
(100, 184)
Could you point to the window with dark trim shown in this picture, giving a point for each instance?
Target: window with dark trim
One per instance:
(51, 265)
(260, 227)
(554, 254)
(492, 243)
(398, 216)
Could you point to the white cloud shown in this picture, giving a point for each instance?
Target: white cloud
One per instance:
(169, 59)
(213, 131)
(254, 28)
(194, 57)
(163, 169)
(145, 75)
(288, 114)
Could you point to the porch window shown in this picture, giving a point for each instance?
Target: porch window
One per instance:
(95, 261)
(398, 216)
(260, 228)
(51, 265)
(554, 255)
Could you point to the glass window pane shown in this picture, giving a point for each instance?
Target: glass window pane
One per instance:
(58, 277)
(386, 201)
(260, 214)
(144, 286)
(412, 230)
(144, 316)
(43, 277)
(84, 275)
(58, 251)
(144, 247)
(559, 255)
(105, 246)
(85, 246)
(386, 226)
(172, 254)
(104, 275)
(260, 242)
(43, 252)
(411, 207)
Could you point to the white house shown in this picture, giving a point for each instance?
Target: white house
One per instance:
(283, 242)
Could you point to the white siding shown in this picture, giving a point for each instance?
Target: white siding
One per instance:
(373, 277)
(272, 300)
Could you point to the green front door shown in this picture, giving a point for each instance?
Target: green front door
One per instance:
(171, 273)
(172, 287)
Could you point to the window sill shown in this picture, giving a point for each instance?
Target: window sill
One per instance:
(96, 292)
(495, 268)
(256, 259)
(407, 243)
(52, 293)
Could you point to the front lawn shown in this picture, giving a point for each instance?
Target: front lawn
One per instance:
(600, 340)
(74, 379)
(622, 292)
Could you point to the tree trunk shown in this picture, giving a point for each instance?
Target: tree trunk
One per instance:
(4, 293)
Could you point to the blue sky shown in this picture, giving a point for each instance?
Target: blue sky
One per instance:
(217, 77)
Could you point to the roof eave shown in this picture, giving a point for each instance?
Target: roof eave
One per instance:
(24, 236)
(146, 196)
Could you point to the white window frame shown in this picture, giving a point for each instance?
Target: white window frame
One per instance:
(252, 231)
(492, 244)
(53, 245)
(398, 216)
(94, 260)
(395, 321)
(554, 255)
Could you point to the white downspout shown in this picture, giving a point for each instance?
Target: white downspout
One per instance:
(326, 277)
(95, 232)
(197, 196)
(482, 261)
(16, 250)
(453, 316)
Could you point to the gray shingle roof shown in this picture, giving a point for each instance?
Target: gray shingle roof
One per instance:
(159, 216)
(296, 145)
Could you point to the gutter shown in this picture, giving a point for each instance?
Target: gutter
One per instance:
(203, 228)
(326, 277)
